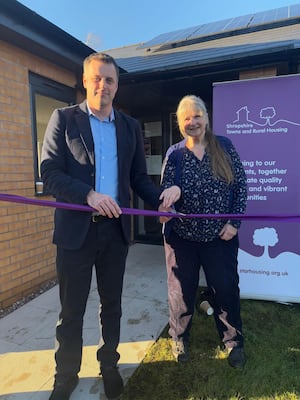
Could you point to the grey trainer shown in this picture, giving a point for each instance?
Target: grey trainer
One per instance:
(180, 350)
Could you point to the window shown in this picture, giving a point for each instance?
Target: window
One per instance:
(45, 96)
(149, 228)
(175, 135)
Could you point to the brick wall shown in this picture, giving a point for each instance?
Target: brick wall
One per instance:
(27, 256)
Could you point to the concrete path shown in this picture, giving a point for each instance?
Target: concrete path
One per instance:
(27, 334)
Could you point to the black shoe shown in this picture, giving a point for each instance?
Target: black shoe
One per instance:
(237, 358)
(112, 381)
(63, 387)
(180, 350)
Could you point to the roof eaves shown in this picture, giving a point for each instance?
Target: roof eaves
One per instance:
(23, 28)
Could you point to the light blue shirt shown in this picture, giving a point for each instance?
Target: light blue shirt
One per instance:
(106, 158)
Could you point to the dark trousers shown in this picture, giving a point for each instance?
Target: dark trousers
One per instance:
(105, 249)
(219, 261)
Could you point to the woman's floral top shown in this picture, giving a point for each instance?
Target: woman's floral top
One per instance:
(202, 193)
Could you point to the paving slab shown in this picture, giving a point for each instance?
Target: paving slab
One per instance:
(27, 334)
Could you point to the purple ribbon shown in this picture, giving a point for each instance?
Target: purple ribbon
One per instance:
(150, 213)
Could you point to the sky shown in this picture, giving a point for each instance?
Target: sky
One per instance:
(108, 24)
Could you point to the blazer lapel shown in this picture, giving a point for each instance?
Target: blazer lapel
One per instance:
(85, 132)
(124, 143)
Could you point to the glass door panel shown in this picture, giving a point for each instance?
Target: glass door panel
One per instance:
(149, 228)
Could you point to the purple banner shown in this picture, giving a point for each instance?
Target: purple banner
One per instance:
(262, 119)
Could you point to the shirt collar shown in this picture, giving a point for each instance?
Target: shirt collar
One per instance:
(110, 118)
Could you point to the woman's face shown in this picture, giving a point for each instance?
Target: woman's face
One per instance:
(193, 123)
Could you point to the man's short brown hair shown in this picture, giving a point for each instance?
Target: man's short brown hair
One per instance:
(103, 57)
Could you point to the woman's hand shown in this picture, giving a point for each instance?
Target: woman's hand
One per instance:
(228, 232)
(170, 196)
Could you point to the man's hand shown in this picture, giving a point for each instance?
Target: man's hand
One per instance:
(162, 219)
(228, 232)
(104, 204)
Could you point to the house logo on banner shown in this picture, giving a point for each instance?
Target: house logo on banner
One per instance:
(268, 124)
(262, 119)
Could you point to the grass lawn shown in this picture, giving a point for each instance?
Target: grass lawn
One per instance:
(272, 371)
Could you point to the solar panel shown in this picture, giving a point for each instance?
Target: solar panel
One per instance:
(213, 27)
(269, 16)
(226, 25)
(238, 22)
(168, 37)
(294, 10)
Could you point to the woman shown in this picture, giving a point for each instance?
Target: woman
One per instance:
(212, 180)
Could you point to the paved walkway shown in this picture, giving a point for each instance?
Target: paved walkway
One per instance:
(27, 334)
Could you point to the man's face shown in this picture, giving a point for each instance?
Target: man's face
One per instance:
(101, 83)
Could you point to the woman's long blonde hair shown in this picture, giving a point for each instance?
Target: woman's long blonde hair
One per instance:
(220, 161)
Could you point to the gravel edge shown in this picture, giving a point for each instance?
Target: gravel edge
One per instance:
(42, 289)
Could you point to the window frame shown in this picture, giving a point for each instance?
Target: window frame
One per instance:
(40, 85)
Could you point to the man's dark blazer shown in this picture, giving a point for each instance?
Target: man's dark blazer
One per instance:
(68, 170)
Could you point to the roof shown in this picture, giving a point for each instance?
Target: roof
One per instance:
(268, 32)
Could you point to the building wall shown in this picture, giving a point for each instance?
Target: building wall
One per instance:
(27, 256)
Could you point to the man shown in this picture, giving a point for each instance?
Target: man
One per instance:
(92, 154)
